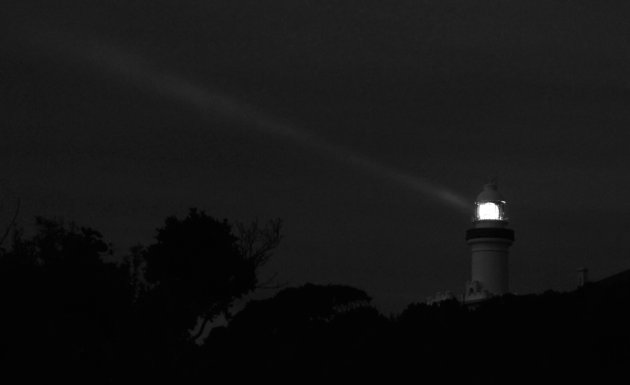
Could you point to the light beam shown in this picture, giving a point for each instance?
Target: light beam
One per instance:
(145, 75)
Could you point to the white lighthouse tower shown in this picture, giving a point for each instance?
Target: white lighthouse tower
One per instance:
(489, 240)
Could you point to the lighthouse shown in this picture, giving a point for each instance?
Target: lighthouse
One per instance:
(489, 240)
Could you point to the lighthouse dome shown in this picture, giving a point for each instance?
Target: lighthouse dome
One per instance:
(490, 194)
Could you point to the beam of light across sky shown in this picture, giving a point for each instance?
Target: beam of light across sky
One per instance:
(143, 74)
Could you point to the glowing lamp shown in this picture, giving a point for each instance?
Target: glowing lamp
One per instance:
(490, 205)
(488, 211)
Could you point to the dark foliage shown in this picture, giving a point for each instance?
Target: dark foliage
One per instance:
(64, 309)
(69, 314)
(320, 330)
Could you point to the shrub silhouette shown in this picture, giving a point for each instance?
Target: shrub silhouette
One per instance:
(65, 309)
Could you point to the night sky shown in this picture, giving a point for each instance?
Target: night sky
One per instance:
(362, 124)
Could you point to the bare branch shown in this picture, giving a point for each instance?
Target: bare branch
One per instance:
(202, 328)
(256, 243)
(11, 224)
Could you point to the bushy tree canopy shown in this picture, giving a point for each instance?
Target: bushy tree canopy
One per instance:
(199, 266)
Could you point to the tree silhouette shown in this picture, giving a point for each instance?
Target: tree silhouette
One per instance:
(298, 307)
(314, 330)
(67, 313)
(198, 267)
(65, 309)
